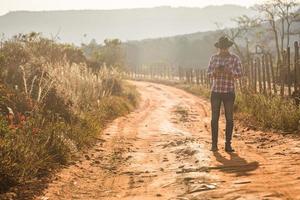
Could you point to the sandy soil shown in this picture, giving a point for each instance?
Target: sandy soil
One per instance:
(161, 151)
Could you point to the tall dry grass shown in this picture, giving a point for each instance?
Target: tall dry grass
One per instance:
(67, 106)
(82, 86)
(272, 112)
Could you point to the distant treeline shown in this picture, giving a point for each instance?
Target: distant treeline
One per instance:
(187, 51)
(180, 51)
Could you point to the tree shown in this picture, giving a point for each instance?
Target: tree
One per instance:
(284, 11)
(287, 16)
(270, 12)
(243, 25)
(111, 53)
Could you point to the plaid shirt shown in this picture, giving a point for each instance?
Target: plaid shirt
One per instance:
(223, 82)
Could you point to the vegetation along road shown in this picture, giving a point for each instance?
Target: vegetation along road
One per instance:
(161, 151)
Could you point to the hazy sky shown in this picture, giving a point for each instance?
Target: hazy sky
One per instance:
(12, 5)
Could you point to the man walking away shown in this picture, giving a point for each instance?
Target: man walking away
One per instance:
(223, 69)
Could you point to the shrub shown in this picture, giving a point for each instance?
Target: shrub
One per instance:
(28, 152)
(60, 105)
(130, 92)
(270, 112)
(32, 50)
(45, 143)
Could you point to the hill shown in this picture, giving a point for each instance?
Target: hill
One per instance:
(194, 49)
(126, 24)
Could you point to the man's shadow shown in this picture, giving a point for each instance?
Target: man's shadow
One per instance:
(235, 164)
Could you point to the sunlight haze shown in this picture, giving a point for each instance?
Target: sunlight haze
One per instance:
(149, 99)
(35, 5)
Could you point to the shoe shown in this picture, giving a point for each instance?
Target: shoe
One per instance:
(214, 148)
(229, 149)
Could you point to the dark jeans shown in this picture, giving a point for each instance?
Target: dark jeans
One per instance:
(228, 101)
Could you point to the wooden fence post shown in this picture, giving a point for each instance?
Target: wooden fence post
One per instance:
(249, 71)
(274, 80)
(263, 64)
(267, 62)
(202, 77)
(259, 74)
(179, 73)
(296, 66)
(187, 75)
(282, 74)
(208, 80)
(289, 71)
(197, 76)
(253, 75)
(205, 79)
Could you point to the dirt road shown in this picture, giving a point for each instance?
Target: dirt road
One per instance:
(161, 151)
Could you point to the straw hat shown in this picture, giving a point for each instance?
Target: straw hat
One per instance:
(223, 43)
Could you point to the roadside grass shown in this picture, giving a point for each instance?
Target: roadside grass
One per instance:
(52, 105)
(29, 153)
(271, 112)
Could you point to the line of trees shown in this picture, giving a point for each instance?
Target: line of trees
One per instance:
(110, 53)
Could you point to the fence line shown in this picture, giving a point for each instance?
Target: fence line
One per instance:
(260, 73)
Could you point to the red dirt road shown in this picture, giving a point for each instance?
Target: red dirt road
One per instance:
(161, 151)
